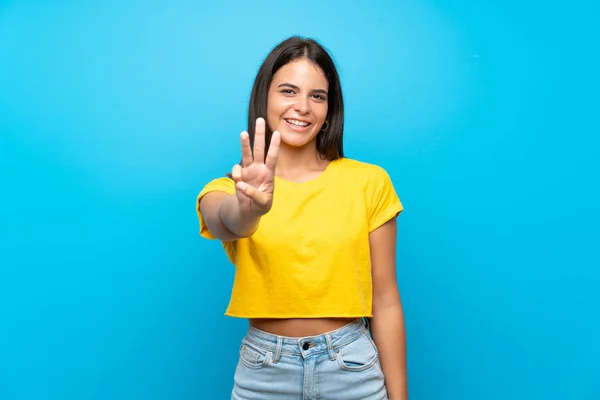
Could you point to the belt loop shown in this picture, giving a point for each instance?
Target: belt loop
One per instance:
(278, 349)
(367, 324)
(330, 347)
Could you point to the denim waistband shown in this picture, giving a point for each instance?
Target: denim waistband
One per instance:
(308, 345)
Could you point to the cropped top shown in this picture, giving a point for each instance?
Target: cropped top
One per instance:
(310, 256)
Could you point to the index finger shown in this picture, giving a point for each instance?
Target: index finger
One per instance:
(246, 150)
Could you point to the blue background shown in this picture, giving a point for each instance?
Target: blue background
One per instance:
(114, 115)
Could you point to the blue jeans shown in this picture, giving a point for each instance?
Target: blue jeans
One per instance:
(338, 365)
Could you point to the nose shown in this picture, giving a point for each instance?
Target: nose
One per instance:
(302, 106)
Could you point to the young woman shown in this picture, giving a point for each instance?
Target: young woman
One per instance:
(312, 235)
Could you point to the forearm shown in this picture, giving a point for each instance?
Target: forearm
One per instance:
(235, 221)
(389, 334)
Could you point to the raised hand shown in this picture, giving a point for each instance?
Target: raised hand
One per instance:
(254, 179)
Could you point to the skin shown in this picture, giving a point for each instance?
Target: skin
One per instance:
(299, 92)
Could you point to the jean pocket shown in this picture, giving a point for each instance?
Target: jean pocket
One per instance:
(358, 355)
(253, 357)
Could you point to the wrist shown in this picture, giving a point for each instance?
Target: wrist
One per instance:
(239, 222)
(248, 224)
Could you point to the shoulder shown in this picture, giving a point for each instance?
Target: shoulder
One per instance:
(362, 171)
(224, 184)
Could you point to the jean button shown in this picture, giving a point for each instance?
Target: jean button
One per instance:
(305, 346)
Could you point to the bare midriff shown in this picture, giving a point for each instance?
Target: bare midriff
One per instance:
(299, 327)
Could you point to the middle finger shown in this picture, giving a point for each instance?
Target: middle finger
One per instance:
(259, 141)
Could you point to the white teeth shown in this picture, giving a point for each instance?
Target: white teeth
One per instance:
(297, 123)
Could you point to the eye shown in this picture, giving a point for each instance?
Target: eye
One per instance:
(320, 97)
(287, 91)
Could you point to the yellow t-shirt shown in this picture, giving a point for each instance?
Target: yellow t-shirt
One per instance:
(310, 255)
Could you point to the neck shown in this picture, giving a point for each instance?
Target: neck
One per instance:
(293, 161)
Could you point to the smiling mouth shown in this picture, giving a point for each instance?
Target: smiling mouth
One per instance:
(295, 122)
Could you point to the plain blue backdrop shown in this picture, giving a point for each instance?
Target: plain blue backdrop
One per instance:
(114, 115)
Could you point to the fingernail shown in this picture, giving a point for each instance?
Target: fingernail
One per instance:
(241, 186)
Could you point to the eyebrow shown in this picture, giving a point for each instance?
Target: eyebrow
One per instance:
(297, 88)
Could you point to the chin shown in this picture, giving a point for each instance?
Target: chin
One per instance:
(294, 143)
(294, 139)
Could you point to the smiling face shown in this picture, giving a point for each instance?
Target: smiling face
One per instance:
(297, 103)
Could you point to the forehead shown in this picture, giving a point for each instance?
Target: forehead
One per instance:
(301, 72)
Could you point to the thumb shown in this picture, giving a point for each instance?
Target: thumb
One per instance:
(262, 199)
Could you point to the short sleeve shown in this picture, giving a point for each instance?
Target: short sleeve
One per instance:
(384, 204)
(220, 184)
